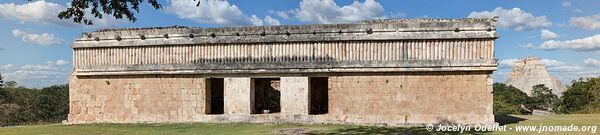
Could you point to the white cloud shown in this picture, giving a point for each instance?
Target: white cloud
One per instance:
(552, 63)
(584, 44)
(37, 75)
(396, 15)
(219, 12)
(327, 11)
(271, 21)
(61, 62)
(562, 70)
(515, 19)
(566, 4)
(282, 14)
(593, 62)
(267, 21)
(528, 46)
(7, 66)
(40, 39)
(256, 21)
(547, 34)
(567, 73)
(42, 12)
(57, 62)
(507, 63)
(566, 68)
(569, 6)
(586, 22)
(37, 12)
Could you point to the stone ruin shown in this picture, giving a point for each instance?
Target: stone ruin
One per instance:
(391, 72)
(530, 71)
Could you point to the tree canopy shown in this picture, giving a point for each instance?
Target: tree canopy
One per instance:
(118, 9)
(21, 105)
(582, 97)
(542, 97)
(508, 99)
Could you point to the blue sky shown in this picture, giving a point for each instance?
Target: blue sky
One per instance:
(34, 45)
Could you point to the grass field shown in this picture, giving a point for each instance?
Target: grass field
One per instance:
(251, 129)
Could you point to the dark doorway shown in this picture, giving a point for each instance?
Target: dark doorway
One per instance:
(319, 95)
(267, 95)
(216, 95)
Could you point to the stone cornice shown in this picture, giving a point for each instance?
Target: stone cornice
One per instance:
(391, 29)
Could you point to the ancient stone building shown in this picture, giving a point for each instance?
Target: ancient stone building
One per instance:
(393, 72)
(530, 71)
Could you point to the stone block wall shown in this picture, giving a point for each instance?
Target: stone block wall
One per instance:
(452, 97)
(393, 99)
(295, 95)
(239, 95)
(140, 98)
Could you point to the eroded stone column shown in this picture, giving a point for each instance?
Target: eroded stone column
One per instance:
(295, 96)
(489, 101)
(238, 95)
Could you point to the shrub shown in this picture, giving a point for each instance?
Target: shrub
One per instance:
(508, 99)
(20, 105)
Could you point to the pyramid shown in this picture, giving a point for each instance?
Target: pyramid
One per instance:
(530, 71)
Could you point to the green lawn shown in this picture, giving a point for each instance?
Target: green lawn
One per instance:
(250, 129)
(554, 120)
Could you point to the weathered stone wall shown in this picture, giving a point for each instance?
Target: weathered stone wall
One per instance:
(454, 97)
(394, 45)
(392, 99)
(295, 96)
(342, 56)
(143, 98)
(239, 95)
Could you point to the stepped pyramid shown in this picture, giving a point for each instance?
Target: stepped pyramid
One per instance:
(530, 71)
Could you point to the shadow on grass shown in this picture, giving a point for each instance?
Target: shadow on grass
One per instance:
(386, 131)
(507, 119)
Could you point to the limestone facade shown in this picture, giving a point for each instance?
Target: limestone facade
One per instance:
(393, 72)
(238, 95)
(295, 95)
(417, 98)
(124, 99)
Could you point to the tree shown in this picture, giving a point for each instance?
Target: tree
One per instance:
(508, 99)
(119, 9)
(11, 84)
(22, 98)
(542, 97)
(582, 97)
(6, 111)
(21, 105)
(52, 103)
(573, 100)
